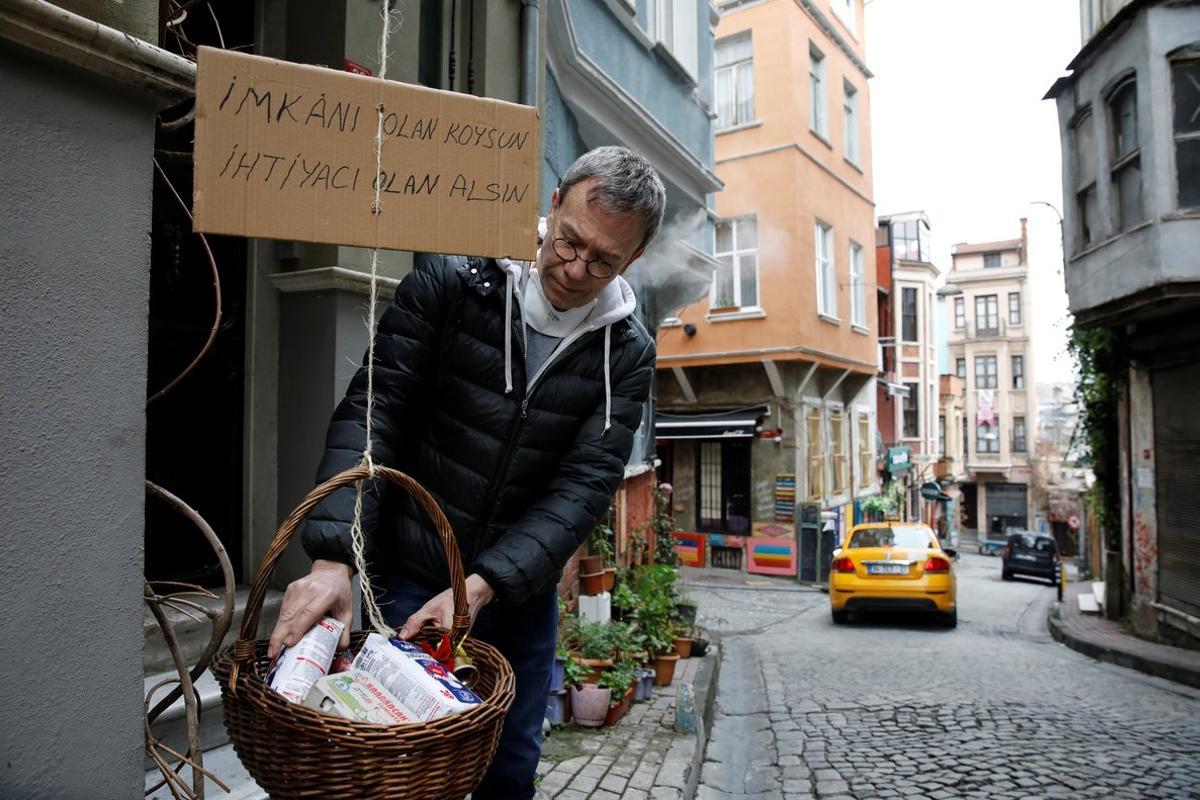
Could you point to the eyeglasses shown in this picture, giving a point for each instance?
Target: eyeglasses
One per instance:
(566, 251)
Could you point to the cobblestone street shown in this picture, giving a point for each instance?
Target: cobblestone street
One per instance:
(898, 707)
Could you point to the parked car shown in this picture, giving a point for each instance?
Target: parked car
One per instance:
(893, 565)
(1028, 553)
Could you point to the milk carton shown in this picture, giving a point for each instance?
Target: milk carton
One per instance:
(359, 696)
(296, 668)
(417, 680)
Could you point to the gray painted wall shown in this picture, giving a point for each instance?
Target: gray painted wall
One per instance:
(1164, 251)
(74, 289)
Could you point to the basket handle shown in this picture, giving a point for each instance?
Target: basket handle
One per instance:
(244, 646)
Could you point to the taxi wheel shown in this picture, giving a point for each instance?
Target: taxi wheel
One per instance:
(950, 619)
(840, 616)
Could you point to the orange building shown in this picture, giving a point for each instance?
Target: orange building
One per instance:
(769, 376)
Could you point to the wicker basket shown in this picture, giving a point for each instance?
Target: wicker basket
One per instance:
(293, 751)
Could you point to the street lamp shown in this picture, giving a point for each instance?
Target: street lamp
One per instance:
(1062, 231)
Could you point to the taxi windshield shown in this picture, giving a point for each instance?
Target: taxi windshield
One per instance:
(890, 537)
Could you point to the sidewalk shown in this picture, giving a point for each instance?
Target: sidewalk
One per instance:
(642, 756)
(1105, 640)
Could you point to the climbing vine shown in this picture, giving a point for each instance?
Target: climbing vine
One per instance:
(1103, 368)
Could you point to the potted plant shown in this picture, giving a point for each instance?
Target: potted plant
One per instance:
(589, 702)
(620, 681)
(624, 601)
(594, 641)
(603, 544)
(683, 641)
(655, 617)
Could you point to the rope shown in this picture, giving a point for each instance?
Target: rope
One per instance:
(357, 539)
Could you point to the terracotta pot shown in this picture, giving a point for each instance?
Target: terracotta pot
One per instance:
(616, 712)
(597, 667)
(591, 564)
(610, 578)
(683, 646)
(591, 583)
(589, 705)
(664, 669)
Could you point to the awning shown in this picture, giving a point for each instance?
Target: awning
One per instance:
(739, 423)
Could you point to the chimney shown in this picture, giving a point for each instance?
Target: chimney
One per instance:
(1024, 240)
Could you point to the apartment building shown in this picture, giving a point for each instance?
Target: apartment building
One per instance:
(907, 398)
(991, 348)
(767, 380)
(1129, 121)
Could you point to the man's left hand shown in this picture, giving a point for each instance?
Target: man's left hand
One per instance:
(440, 610)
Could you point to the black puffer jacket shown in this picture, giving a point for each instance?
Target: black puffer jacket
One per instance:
(521, 477)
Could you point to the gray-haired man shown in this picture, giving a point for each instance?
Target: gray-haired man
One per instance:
(511, 392)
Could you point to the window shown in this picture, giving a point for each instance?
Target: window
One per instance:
(991, 260)
(826, 272)
(911, 240)
(1018, 372)
(1014, 308)
(985, 372)
(1126, 157)
(735, 82)
(1018, 442)
(858, 287)
(960, 368)
(850, 109)
(987, 314)
(735, 282)
(723, 483)
(908, 314)
(987, 437)
(960, 313)
(1087, 204)
(912, 411)
(1186, 78)
(941, 442)
(845, 11)
(818, 115)
(966, 451)
(675, 23)
(866, 452)
(816, 454)
(837, 449)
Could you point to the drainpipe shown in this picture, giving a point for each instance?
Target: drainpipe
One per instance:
(529, 52)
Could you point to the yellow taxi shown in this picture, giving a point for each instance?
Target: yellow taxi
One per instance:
(892, 565)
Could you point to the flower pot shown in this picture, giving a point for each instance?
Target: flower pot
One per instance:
(683, 646)
(699, 646)
(556, 673)
(643, 688)
(589, 705)
(596, 667)
(591, 582)
(591, 564)
(556, 708)
(610, 578)
(615, 712)
(664, 669)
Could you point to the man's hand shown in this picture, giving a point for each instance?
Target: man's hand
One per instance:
(440, 610)
(324, 591)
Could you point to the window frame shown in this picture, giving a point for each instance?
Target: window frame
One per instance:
(1014, 309)
(845, 11)
(1018, 375)
(992, 260)
(1122, 162)
(858, 286)
(818, 95)
(1085, 190)
(960, 313)
(1190, 59)
(987, 377)
(1019, 443)
(814, 453)
(866, 452)
(989, 314)
(911, 405)
(839, 483)
(734, 69)
(851, 123)
(735, 255)
(826, 269)
(960, 368)
(983, 444)
(905, 315)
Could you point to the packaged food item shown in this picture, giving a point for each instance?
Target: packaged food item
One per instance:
(359, 696)
(296, 668)
(417, 680)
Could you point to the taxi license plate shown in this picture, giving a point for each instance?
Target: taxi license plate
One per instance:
(887, 569)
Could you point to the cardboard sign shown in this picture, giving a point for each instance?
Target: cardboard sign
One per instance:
(287, 151)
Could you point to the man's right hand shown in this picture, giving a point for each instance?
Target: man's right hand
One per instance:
(325, 591)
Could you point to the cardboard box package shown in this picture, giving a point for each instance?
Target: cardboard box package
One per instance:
(359, 696)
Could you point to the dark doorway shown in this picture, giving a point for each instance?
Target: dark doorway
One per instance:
(723, 486)
(1007, 508)
(194, 431)
(970, 506)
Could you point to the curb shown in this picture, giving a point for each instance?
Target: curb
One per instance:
(707, 677)
(1122, 658)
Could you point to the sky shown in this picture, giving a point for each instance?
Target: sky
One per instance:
(959, 129)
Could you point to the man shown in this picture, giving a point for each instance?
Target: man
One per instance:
(512, 394)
